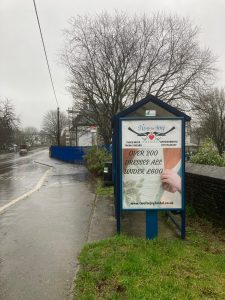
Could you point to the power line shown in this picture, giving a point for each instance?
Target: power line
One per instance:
(49, 71)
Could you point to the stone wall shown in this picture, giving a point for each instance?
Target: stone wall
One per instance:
(205, 191)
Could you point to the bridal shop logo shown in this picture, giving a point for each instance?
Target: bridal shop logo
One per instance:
(151, 133)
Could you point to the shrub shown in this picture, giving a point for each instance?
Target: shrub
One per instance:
(207, 155)
(95, 158)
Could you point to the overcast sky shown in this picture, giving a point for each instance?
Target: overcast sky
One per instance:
(23, 72)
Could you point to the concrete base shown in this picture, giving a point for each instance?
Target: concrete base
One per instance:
(133, 223)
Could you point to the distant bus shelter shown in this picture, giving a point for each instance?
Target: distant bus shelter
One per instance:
(149, 161)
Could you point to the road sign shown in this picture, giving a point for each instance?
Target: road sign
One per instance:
(93, 129)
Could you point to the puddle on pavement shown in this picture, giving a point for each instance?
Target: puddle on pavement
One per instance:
(68, 178)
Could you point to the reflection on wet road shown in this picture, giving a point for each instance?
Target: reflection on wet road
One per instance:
(18, 174)
(14, 160)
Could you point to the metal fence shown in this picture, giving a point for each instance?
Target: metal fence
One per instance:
(71, 154)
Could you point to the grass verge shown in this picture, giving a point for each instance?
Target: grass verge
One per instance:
(131, 268)
(103, 190)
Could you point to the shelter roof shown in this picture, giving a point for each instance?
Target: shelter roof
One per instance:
(151, 102)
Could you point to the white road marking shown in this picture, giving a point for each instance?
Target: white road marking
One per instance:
(37, 187)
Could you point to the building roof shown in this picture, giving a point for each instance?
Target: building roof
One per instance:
(81, 120)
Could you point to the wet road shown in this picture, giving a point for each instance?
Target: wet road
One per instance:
(13, 160)
(42, 235)
(19, 175)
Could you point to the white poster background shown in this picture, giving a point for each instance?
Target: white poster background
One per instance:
(143, 142)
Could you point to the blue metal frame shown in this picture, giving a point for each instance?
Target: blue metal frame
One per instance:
(117, 176)
(151, 224)
(182, 161)
(113, 158)
(183, 214)
(152, 214)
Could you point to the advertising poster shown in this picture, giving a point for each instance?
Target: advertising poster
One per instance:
(151, 160)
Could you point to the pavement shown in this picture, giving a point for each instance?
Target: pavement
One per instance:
(102, 223)
(41, 236)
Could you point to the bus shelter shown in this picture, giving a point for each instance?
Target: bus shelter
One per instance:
(149, 161)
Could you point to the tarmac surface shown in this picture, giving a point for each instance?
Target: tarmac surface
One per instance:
(20, 174)
(42, 235)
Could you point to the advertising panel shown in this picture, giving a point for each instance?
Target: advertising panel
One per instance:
(151, 164)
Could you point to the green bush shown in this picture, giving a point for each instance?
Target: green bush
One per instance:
(207, 155)
(95, 158)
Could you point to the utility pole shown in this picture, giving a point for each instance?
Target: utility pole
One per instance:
(58, 127)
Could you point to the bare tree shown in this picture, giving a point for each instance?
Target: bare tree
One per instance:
(8, 123)
(49, 126)
(30, 135)
(113, 61)
(43, 137)
(210, 111)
